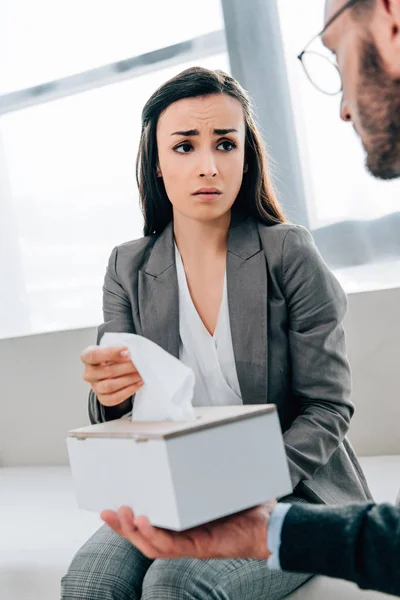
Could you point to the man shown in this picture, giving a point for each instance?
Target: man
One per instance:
(360, 543)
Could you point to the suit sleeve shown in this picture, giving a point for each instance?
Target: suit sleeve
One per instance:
(117, 313)
(360, 543)
(321, 381)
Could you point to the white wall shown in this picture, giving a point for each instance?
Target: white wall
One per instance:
(373, 340)
(43, 394)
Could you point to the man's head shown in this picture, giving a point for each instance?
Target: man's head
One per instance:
(366, 41)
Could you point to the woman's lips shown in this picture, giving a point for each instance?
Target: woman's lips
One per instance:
(207, 195)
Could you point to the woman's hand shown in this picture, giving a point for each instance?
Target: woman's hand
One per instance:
(111, 373)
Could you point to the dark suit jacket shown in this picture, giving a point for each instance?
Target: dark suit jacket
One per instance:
(286, 310)
(358, 543)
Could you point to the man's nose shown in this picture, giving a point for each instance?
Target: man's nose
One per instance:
(345, 114)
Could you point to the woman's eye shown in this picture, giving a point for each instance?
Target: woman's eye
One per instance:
(183, 148)
(227, 146)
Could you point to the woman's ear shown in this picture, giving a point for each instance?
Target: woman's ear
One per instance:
(245, 168)
(158, 171)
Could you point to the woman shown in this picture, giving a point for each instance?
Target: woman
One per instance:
(222, 282)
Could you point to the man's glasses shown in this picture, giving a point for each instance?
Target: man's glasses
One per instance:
(321, 69)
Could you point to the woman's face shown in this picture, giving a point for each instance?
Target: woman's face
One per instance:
(200, 145)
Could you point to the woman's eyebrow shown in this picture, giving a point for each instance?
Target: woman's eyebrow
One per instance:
(225, 131)
(192, 132)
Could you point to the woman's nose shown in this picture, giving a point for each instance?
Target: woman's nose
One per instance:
(208, 167)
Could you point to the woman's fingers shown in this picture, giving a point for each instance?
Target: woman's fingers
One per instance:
(119, 396)
(111, 373)
(108, 371)
(94, 355)
(109, 386)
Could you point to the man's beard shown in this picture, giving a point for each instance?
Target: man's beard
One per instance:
(379, 111)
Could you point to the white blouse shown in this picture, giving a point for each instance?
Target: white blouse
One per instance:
(210, 356)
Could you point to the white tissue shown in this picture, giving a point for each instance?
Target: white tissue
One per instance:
(168, 384)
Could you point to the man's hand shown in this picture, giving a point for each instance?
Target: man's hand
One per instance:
(243, 535)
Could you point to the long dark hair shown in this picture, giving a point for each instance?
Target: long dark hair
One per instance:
(256, 196)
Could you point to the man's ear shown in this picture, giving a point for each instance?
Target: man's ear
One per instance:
(386, 32)
(393, 9)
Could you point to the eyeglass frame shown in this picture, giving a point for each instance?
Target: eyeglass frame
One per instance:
(333, 18)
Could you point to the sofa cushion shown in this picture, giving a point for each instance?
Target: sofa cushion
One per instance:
(325, 588)
(383, 476)
(41, 528)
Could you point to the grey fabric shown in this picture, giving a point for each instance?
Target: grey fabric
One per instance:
(357, 543)
(286, 310)
(217, 580)
(108, 567)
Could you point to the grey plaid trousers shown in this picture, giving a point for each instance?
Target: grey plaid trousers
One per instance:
(108, 567)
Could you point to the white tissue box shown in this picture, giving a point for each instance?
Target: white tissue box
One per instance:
(182, 474)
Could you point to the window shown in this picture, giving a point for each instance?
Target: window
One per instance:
(45, 40)
(354, 218)
(67, 185)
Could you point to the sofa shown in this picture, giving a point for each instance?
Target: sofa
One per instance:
(43, 396)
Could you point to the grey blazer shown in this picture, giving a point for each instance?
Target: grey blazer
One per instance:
(286, 309)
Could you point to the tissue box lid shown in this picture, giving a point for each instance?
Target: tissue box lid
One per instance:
(206, 417)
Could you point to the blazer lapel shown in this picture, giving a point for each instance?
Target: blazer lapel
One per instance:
(159, 296)
(247, 297)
